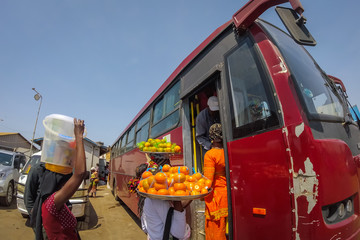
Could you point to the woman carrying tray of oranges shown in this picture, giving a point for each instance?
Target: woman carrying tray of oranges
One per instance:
(160, 218)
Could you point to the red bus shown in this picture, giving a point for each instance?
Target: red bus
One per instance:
(292, 148)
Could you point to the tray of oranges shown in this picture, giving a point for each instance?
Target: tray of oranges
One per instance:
(174, 183)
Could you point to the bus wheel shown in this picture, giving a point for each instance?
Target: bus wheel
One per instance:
(115, 192)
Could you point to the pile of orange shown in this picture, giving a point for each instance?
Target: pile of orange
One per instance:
(174, 181)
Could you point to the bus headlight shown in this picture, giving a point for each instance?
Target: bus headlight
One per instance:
(341, 211)
(349, 206)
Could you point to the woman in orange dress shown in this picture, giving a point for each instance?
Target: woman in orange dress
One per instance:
(216, 205)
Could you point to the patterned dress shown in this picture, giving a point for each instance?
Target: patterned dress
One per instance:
(58, 224)
(216, 205)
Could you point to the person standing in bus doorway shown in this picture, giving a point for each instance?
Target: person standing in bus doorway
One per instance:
(204, 120)
(53, 186)
(216, 205)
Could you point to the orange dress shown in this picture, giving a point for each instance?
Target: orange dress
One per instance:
(216, 205)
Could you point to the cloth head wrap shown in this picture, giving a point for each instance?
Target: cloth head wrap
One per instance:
(215, 132)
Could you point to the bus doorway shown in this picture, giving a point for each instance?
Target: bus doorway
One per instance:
(199, 103)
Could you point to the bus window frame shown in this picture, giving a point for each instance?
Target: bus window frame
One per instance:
(250, 129)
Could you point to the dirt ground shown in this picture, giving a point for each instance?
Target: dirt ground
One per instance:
(104, 219)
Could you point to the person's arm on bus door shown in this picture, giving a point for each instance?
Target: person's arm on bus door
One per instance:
(70, 187)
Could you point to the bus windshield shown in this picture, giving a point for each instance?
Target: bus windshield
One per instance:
(315, 88)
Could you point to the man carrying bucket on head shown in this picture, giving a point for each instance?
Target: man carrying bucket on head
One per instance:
(50, 185)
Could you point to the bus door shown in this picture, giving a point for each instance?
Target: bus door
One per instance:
(257, 160)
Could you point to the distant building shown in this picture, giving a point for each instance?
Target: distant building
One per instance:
(16, 142)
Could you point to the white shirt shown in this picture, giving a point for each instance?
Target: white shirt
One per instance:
(154, 217)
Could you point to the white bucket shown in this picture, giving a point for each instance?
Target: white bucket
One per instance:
(59, 140)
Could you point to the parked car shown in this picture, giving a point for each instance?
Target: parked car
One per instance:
(10, 165)
(78, 200)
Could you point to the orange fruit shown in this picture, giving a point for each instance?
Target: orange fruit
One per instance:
(179, 186)
(160, 177)
(152, 191)
(197, 187)
(180, 193)
(197, 176)
(151, 180)
(184, 170)
(179, 177)
(175, 170)
(201, 181)
(163, 192)
(159, 186)
(146, 174)
(208, 183)
(191, 178)
(141, 189)
(147, 144)
(170, 181)
(145, 184)
(177, 149)
(171, 191)
(204, 190)
(166, 168)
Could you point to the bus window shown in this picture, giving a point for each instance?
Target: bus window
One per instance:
(165, 124)
(144, 119)
(252, 109)
(142, 129)
(123, 142)
(166, 112)
(143, 133)
(320, 96)
(130, 139)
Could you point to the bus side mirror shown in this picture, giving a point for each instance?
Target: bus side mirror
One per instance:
(296, 26)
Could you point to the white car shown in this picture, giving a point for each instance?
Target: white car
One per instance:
(10, 165)
(78, 200)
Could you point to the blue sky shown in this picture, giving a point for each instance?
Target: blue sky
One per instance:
(101, 61)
